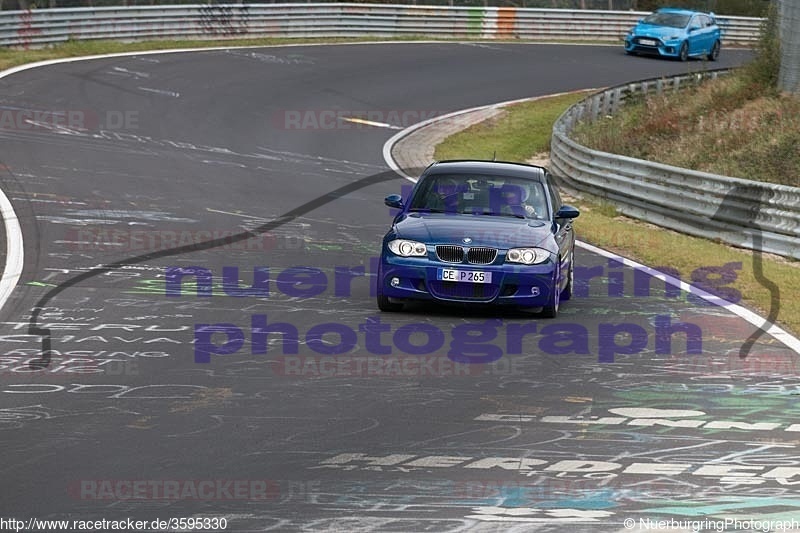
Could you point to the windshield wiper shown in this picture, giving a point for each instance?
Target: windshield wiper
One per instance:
(425, 210)
(493, 214)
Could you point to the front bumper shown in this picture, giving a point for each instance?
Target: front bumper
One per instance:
(668, 49)
(415, 278)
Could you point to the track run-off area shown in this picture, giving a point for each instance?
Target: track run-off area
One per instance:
(197, 371)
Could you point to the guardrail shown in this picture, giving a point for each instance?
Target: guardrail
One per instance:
(229, 21)
(740, 212)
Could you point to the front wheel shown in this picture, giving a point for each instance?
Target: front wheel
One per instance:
(713, 55)
(683, 55)
(566, 294)
(551, 309)
(386, 306)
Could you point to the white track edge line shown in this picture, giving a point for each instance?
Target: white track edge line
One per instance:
(15, 257)
(775, 331)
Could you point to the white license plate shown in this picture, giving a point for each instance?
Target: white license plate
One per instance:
(468, 276)
(648, 42)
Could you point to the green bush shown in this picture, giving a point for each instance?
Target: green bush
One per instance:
(763, 70)
(741, 8)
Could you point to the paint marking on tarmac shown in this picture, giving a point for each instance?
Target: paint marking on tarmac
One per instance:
(173, 94)
(370, 123)
(243, 215)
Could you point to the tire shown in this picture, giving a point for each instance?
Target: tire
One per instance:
(551, 309)
(683, 55)
(566, 294)
(713, 55)
(388, 307)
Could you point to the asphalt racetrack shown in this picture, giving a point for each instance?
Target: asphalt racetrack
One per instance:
(293, 403)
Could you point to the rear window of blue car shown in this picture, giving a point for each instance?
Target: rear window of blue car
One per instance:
(673, 20)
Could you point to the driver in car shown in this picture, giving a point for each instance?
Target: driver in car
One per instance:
(513, 201)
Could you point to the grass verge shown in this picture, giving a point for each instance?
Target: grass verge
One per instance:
(516, 135)
(522, 133)
(731, 126)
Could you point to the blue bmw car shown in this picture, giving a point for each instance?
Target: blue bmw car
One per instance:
(677, 33)
(479, 232)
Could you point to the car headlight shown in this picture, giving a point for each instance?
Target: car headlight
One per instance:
(406, 248)
(673, 37)
(527, 256)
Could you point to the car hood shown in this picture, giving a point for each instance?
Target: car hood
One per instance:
(483, 230)
(658, 32)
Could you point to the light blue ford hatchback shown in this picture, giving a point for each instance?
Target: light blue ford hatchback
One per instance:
(676, 33)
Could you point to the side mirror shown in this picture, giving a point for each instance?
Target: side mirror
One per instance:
(567, 211)
(394, 200)
(694, 29)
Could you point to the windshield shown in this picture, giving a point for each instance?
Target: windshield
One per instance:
(481, 195)
(673, 20)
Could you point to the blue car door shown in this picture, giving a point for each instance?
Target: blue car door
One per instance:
(563, 230)
(704, 35)
(710, 32)
(694, 35)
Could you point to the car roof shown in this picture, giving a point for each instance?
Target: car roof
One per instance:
(679, 10)
(498, 168)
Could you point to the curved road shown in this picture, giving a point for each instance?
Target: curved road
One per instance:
(201, 404)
